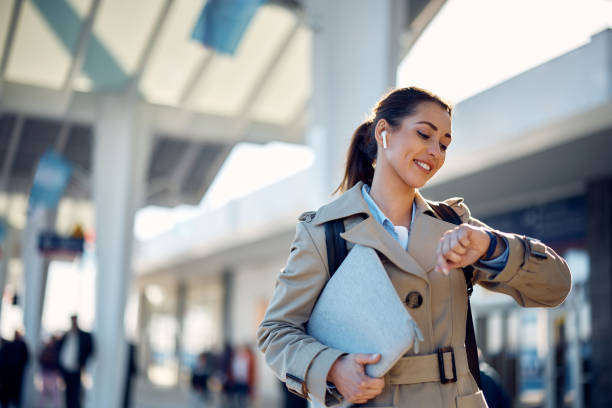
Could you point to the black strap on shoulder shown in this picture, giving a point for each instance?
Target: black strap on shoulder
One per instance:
(446, 213)
(336, 245)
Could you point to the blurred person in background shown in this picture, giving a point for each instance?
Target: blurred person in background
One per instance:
(200, 375)
(242, 376)
(423, 246)
(224, 374)
(132, 370)
(13, 359)
(75, 349)
(492, 385)
(49, 369)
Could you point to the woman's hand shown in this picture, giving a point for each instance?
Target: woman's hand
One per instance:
(462, 246)
(349, 377)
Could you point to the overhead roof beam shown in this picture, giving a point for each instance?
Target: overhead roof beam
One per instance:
(181, 172)
(191, 83)
(8, 41)
(62, 137)
(162, 18)
(166, 120)
(76, 66)
(11, 152)
(80, 52)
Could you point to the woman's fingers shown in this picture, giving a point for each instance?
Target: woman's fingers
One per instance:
(348, 374)
(452, 249)
(457, 244)
(452, 257)
(374, 384)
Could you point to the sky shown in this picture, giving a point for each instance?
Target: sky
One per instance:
(470, 46)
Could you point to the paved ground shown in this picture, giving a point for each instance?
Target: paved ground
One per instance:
(148, 396)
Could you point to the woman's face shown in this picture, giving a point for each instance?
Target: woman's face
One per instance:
(417, 148)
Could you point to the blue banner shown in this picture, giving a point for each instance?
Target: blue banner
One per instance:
(3, 230)
(50, 180)
(223, 23)
(50, 242)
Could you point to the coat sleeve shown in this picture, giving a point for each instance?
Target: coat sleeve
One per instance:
(535, 275)
(295, 357)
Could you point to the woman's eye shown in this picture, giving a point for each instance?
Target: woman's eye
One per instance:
(423, 135)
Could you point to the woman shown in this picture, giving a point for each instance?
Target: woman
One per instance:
(390, 157)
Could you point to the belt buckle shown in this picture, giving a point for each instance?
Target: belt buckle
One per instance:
(443, 378)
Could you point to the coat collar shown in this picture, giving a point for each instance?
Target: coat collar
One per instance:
(349, 203)
(425, 232)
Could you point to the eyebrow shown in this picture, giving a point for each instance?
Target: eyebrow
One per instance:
(434, 127)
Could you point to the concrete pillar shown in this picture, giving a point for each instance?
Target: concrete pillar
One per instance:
(8, 248)
(355, 57)
(228, 287)
(551, 367)
(121, 152)
(142, 337)
(181, 301)
(573, 349)
(35, 269)
(599, 244)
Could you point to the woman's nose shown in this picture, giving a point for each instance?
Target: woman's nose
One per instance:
(434, 148)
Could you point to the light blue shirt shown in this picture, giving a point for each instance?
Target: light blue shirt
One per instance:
(402, 234)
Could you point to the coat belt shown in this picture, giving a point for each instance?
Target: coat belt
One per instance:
(426, 368)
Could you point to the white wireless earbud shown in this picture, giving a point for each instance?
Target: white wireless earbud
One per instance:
(384, 137)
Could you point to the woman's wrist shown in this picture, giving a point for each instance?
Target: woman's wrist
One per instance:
(492, 246)
(499, 246)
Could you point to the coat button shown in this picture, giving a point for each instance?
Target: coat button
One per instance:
(414, 300)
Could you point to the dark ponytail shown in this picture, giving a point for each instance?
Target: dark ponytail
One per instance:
(360, 157)
(393, 107)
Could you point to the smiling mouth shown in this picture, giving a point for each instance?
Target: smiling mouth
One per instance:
(423, 165)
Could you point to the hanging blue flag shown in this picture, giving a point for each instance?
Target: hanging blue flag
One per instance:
(50, 180)
(223, 22)
(3, 232)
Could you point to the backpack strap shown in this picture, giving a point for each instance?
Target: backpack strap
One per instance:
(446, 213)
(336, 245)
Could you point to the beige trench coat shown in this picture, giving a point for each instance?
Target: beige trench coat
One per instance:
(532, 279)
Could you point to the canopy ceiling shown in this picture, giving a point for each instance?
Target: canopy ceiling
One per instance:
(58, 57)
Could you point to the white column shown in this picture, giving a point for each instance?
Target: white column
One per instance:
(8, 248)
(34, 284)
(121, 153)
(551, 368)
(573, 339)
(355, 57)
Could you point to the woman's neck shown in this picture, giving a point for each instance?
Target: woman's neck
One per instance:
(394, 198)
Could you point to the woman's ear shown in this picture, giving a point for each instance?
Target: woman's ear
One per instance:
(381, 134)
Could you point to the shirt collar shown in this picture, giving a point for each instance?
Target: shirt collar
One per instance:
(377, 213)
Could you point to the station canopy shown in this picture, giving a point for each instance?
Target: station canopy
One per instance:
(59, 57)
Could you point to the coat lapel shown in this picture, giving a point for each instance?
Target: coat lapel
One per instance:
(370, 233)
(425, 232)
